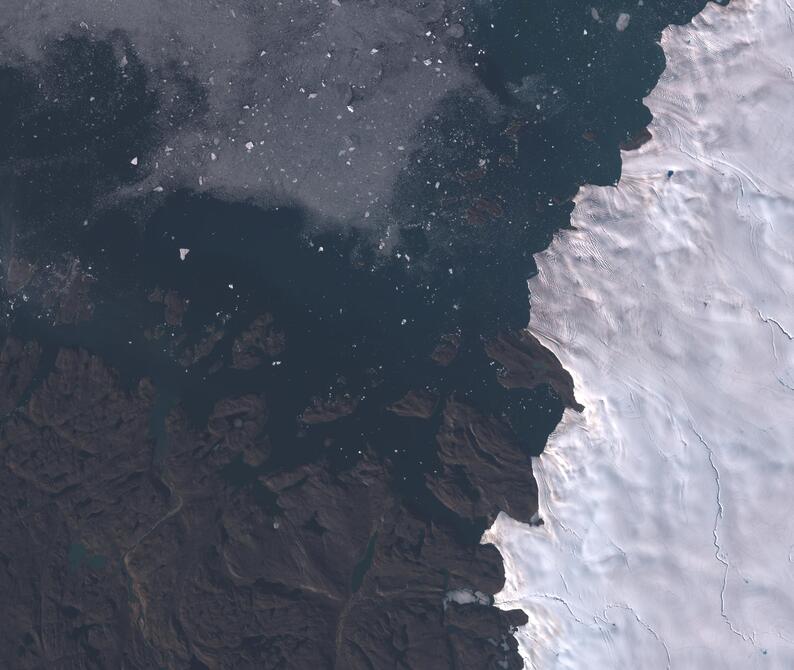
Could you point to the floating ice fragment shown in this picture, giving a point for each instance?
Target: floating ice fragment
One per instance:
(183, 252)
(134, 161)
(623, 21)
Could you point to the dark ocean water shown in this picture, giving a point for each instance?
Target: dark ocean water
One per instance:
(358, 323)
(343, 308)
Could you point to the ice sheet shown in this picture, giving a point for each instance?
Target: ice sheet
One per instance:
(669, 503)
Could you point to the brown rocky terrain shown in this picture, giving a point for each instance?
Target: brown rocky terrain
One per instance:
(115, 558)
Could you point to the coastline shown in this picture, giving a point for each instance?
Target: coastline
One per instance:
(666, 541)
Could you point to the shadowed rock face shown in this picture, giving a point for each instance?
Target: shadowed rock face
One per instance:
(281, 449)
(260, 341)
(420, 404)
(526, 363)
(18, 362)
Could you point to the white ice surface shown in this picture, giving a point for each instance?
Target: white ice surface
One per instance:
(669, 503)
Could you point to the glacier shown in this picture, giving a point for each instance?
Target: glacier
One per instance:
(668, 504)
